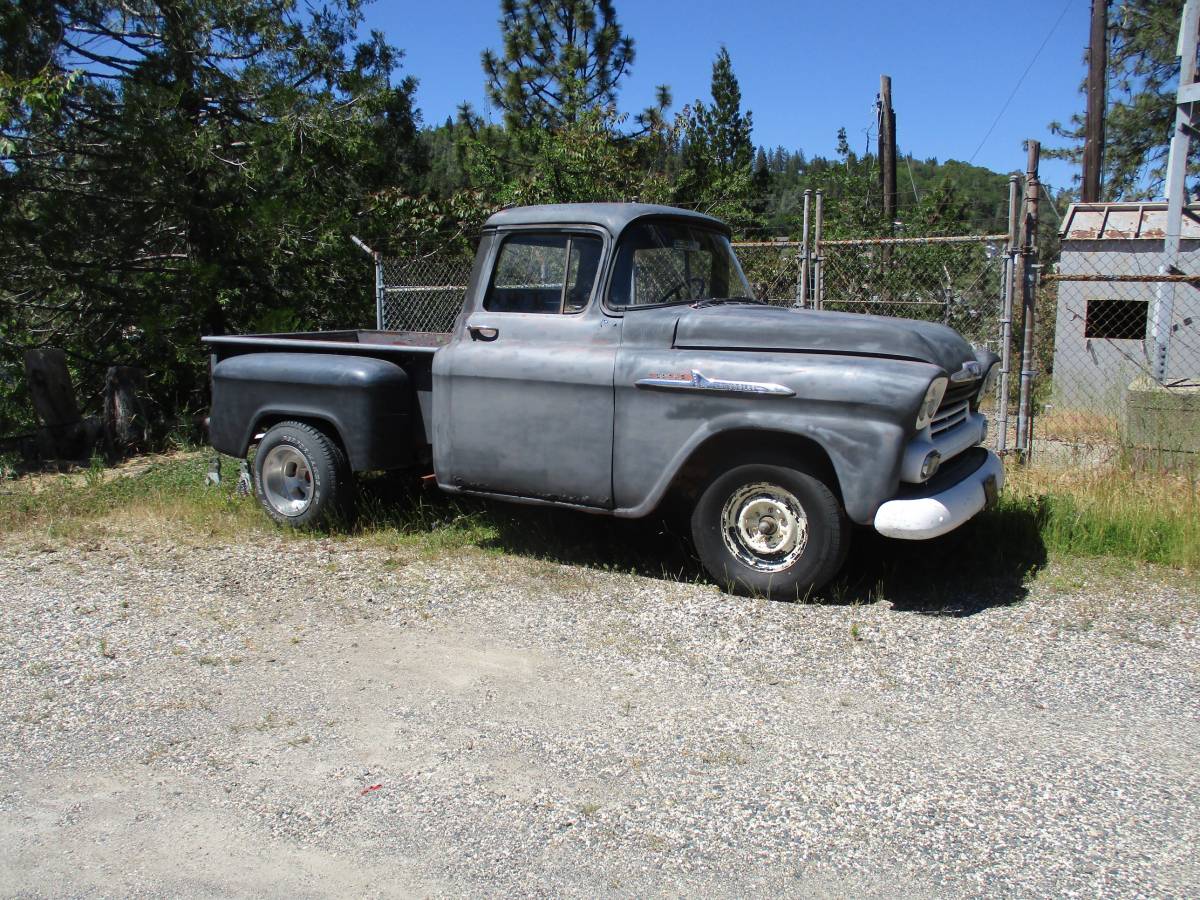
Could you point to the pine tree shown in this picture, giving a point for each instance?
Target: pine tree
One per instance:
(721, 129)
(717, 151)
(561, 59)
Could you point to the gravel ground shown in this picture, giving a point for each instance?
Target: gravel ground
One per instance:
(312, 717)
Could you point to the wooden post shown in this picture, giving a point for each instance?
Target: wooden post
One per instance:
(1093, 146)
(887, 151)
(54, 403)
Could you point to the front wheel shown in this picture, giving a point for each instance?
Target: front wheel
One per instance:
(301, 476)
(770, 531)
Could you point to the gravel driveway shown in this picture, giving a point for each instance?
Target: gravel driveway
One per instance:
(310, 717)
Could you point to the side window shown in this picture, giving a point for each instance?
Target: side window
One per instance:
(544, 273)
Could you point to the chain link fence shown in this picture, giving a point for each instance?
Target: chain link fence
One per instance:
(956, 281)
(422, 294)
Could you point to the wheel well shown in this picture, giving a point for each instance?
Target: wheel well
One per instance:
(269, 420)
(745, 445)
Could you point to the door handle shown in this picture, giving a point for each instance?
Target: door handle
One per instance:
(483, 333)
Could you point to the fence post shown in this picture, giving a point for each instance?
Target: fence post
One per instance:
(377, 257)
(1028, 295)
(818, 261)
(1006, 312)
(805, 255)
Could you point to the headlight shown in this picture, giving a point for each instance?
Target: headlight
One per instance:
(933, 399)
(989, 381)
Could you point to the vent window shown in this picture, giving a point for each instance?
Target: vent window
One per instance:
(1122, 320)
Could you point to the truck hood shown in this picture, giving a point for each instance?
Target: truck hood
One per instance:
(771, 328)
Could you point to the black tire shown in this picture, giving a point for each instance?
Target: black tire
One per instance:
(301, 476)
(807, 522)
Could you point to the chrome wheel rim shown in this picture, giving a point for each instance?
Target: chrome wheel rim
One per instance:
(287, 480)
(764, 527)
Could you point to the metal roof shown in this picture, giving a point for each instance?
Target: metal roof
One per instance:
(1126, 221)
(612, 216)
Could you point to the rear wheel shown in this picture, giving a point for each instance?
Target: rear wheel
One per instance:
(769, 530)
(301, 476)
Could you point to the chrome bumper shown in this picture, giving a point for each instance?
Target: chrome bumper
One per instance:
(940, 508)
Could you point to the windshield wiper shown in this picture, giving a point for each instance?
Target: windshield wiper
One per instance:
(714, 301)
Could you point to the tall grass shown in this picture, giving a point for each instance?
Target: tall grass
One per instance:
(1118, 510)
(170, 490)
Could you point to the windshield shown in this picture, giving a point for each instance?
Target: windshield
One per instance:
(671, 262)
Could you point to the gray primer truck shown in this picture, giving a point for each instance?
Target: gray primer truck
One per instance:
(611, 357)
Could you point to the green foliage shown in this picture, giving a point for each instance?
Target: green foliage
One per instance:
(171, 169)
(199, 170)
(1143, 76)
(1120, 511)
(575, 163)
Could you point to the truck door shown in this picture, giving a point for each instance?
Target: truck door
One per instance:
(529, 384)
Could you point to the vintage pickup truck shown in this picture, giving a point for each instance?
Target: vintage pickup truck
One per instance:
(611, 357)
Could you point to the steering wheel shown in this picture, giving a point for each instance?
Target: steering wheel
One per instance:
(673, 293)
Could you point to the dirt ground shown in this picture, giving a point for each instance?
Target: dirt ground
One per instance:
(326, 717)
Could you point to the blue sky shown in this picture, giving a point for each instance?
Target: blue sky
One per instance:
(807, 68)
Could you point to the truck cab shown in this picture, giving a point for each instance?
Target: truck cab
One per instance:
(609, 356)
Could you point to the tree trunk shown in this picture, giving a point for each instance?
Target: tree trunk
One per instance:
(124, 413)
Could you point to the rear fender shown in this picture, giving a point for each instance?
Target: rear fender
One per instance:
(367, 402)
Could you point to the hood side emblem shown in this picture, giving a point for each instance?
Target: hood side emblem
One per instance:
(695, 381)
(969, 372)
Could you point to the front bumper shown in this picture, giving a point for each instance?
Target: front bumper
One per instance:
(951, 498)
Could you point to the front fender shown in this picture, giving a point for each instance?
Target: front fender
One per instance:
(859, 411)
(865, 455)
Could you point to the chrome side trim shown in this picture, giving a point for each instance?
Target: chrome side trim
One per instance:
(698, 382)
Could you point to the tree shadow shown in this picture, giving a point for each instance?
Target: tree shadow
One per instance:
(984, 564)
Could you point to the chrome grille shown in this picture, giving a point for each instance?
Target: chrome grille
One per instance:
(949, 416)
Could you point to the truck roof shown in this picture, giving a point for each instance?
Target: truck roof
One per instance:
(612, 216)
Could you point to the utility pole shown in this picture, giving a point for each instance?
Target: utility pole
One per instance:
(887, 150)
(1093, 145)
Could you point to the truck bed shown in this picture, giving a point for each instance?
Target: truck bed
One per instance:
(359, 341)
(410, 350)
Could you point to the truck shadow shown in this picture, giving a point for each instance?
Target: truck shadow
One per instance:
(984, 564)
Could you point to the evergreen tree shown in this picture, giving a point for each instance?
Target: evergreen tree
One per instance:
(561, 58)
(717, 151)
(721, 131)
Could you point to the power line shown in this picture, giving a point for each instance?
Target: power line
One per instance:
(1021, 80)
